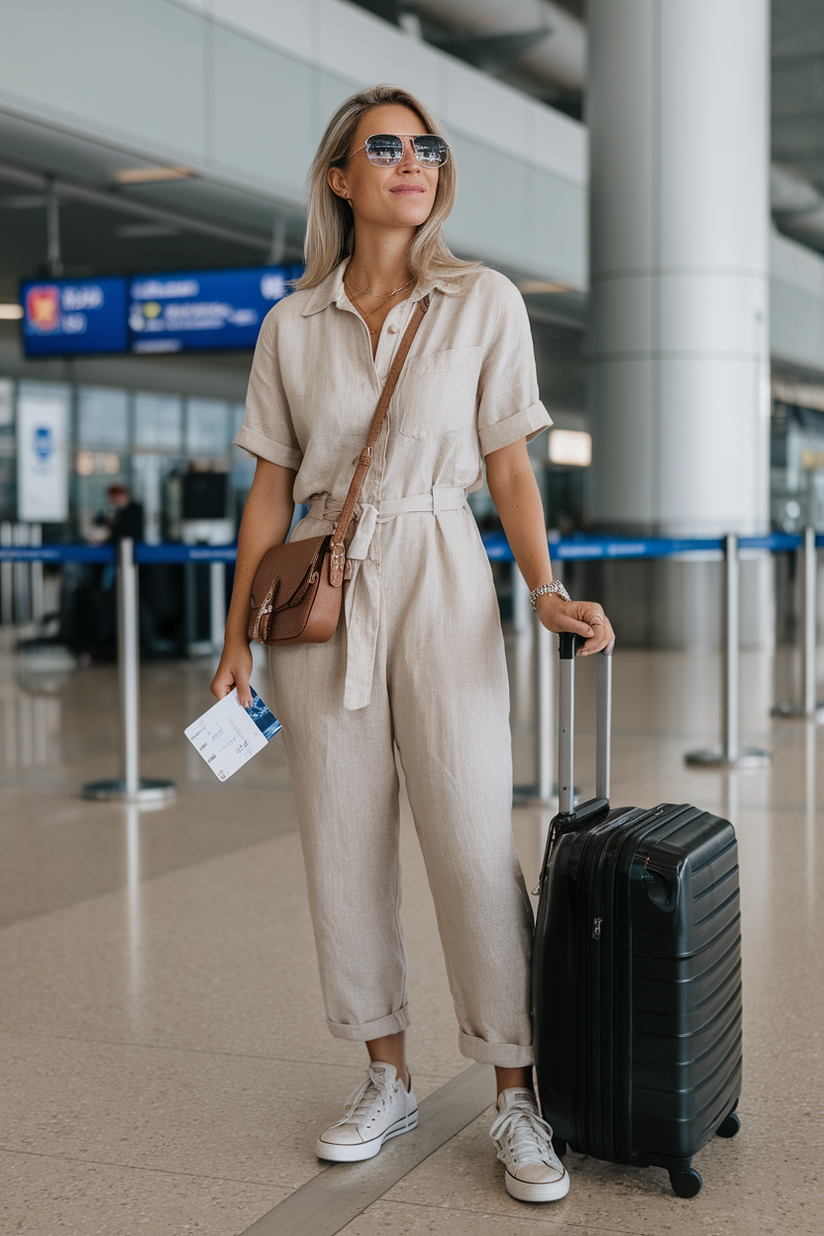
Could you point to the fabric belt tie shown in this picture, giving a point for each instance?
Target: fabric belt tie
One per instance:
(362, 605)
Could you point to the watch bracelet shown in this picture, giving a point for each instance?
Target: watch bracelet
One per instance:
(545, 589)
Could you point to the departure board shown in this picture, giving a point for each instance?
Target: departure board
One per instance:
(69, 316)
(207, 309)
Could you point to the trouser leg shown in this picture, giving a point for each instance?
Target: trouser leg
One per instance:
(345, 781)
(450, 709)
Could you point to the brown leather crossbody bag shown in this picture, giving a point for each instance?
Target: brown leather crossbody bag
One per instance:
(298, 588)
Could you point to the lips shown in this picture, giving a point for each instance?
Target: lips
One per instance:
(408, 189)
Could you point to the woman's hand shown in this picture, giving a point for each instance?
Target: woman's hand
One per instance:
(585, 618)
(235, 670)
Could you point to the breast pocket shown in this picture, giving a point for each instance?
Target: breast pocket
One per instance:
(437, 393)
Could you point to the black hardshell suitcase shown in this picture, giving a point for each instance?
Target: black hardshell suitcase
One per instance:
(636, 968)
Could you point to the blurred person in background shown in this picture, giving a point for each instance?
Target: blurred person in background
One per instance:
(125, 514)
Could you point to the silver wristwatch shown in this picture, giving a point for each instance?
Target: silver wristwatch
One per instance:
(543, 589)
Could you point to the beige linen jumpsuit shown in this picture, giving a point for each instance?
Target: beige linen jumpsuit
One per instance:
(418, 660)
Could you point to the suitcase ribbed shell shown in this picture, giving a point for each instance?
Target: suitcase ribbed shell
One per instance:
(637, 985)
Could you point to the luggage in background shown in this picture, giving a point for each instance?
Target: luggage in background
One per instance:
(636, 969)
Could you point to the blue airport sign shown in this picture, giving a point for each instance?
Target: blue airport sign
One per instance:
(205, 309)
(68, 316)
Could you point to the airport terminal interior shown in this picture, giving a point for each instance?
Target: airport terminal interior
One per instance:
(650, 175)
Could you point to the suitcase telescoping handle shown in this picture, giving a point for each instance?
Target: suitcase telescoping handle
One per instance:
(571, 818)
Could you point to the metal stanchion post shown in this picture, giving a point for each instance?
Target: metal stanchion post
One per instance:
(810, 705)
(544, 788)
(540, 792)
(38, 607)
(130, 787)
(536, 666)
(520, 602)
(21, 577)
(730, 754)
(128, 665)
(6, 579)
(523, 663)
(217, 591)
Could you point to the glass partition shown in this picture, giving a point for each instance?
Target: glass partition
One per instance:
(208, 428)
(158, 423)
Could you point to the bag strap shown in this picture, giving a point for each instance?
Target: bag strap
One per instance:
(338, 553)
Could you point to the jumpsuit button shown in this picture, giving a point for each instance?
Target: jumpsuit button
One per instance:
(392, 330)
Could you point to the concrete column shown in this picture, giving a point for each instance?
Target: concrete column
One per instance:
(678, 348)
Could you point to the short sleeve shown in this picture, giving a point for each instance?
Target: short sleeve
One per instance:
(267, 430)
(509, 406)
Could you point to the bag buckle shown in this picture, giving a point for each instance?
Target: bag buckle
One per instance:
(337, 561)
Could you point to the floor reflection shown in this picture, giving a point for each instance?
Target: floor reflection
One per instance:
(131, 819)
(32, 725)
(810, 736)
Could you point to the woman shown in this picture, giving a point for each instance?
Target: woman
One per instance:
(417, 661)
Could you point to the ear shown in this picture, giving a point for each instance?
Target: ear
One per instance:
(337, 181)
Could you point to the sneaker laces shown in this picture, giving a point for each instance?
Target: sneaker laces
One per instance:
(526, 1134)
(363, 1096)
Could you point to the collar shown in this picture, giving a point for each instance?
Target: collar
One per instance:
(332, 291)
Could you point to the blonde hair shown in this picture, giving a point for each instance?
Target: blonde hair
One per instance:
(330, 231)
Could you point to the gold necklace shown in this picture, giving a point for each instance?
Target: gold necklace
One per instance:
(366, 314)
(381, 296)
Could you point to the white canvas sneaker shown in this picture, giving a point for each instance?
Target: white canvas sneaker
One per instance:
(379, 1108)
(534, 1173)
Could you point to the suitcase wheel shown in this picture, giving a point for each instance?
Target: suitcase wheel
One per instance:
(730, 1126)
(559, 1146)
(686, 1183)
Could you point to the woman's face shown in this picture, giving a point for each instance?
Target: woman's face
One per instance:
(401, 196)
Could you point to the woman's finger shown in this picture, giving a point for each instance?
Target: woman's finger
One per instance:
(602, 636)
(244, 693)
(565, 622)
(599, 633)
(222, 683)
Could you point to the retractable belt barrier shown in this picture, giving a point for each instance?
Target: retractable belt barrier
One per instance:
(728, 754)
(595, 548)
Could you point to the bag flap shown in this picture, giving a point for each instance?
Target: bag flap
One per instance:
(283, 569)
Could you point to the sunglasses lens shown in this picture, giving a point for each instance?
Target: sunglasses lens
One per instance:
(384, 150)
(430, 150)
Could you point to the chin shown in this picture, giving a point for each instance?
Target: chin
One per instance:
(411, 212)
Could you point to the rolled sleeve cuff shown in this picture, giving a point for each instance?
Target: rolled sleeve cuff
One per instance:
(527, 423)
(257, 443)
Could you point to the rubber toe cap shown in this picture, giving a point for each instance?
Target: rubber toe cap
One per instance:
(343, 1135)
(538, 1173)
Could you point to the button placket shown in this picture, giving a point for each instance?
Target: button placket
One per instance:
(389, 336)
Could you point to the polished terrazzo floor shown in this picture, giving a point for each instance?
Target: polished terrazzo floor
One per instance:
(165, 1063)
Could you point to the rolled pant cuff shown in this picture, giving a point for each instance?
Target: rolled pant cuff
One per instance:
(392, 1024)
(504, 1055)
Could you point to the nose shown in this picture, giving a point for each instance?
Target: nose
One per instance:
(409, 162)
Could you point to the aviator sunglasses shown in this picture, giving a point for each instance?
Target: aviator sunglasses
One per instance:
(386, 149)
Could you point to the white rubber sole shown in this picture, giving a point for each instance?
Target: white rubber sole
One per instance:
(527, 1191)
(335, 1153)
